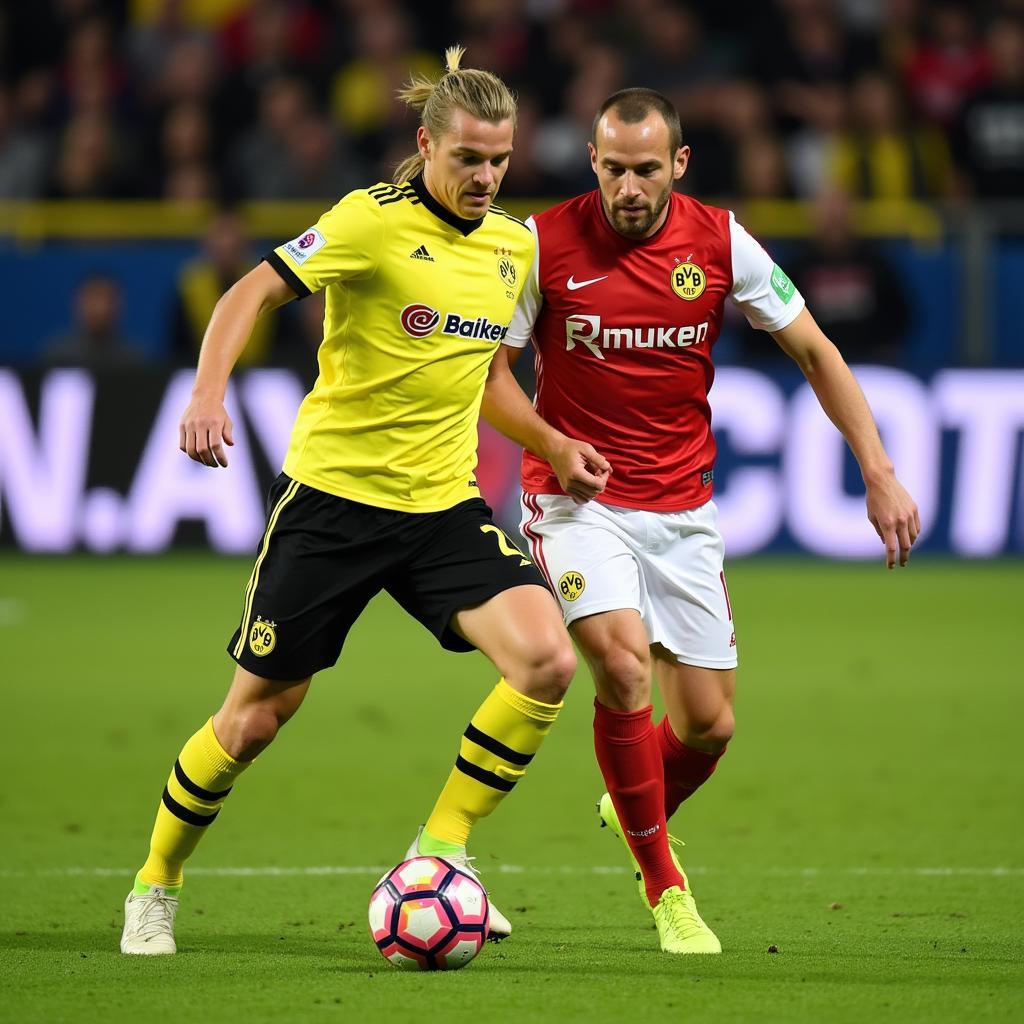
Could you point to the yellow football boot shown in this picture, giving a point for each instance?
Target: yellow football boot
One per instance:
(680, 928)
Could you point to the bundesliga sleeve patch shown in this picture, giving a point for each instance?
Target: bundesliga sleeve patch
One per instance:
(781, 284)
(301, 248)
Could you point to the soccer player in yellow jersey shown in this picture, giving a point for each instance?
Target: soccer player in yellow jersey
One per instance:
(377, 493)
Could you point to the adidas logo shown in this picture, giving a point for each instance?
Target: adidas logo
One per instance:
(421, 254)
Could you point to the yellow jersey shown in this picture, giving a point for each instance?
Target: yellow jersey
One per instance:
(418, 300)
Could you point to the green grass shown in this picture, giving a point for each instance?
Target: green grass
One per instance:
(858, 823)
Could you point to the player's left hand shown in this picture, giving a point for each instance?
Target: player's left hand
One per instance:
(581, 469)
(893, 513)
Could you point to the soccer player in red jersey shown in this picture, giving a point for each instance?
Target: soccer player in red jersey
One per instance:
(624, 303)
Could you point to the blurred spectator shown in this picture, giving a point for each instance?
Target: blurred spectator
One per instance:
(853, 291)
(558, 49)
(949, 65)
(990, 133)
(814, 49)
(33, 99)
(884, 155)
(363, 91)
(675, 57)
(265, 40)
(495, 34)
(273, 34)
(319, 166)
(899, 32)
(151, 43)
(261, 162)
(225, 258)
(561, 143)
(94, 340)
(181, 113)
(525, 177)
(188, 73)
(186, 140)
(24, 154)
(737, 112)
(93, 78)
(811, 151)
(92, 162)
(761, 168)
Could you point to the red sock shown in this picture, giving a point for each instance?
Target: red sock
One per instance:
(686, 769)
(627, 751)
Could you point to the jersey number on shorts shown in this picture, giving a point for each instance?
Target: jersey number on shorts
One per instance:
(505, 545)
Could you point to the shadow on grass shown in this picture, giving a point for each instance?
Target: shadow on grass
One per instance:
(327, 956)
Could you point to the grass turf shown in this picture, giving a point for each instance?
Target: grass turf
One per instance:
(866, 822)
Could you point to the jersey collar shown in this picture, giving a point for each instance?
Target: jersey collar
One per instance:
(465, 225)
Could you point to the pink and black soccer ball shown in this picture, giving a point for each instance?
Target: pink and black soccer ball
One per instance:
(427, 915)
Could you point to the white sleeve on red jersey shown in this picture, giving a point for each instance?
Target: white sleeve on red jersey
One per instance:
(528, 308)
(760, 287)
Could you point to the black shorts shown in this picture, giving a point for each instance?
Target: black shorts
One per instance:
(322, 558)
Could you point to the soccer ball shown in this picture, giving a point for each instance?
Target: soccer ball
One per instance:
(427, 915)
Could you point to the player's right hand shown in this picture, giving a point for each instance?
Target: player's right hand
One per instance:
(581, 469)
(204, 430)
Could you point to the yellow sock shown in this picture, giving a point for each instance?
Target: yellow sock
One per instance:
(199, 783)
(498, 744)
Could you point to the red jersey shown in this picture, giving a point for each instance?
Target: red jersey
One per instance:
(623, 331)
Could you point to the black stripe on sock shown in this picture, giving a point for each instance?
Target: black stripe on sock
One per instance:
(482, 775)
(189, 817)
(496, 747)
(197, 791)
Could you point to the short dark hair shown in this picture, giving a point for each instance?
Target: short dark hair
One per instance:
(633, 105)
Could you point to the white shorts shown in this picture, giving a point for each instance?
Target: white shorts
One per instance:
(666, 565)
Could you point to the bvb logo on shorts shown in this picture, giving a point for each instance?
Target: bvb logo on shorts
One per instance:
(507, 270)
(262, 637)
(688, 281)
(571, 585)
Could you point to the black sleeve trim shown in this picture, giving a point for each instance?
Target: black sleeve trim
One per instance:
(288, 275)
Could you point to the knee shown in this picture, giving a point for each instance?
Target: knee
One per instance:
(713, 732)
(545, 670)
(245, 732)
(623, 679)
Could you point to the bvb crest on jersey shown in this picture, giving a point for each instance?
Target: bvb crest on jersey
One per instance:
(507, 270)
(688, 281)
(262, 637)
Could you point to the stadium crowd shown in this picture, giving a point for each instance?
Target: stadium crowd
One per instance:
(220, 99)
(229, 101)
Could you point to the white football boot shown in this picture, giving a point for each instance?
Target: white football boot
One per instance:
(149, 923)
(500, 927)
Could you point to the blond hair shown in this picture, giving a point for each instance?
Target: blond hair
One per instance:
(479, 93)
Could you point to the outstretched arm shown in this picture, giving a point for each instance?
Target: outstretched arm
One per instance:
(891, 510)
(205, 425)
(581, 470)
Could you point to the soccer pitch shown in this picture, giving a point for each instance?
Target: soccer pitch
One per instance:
(866, 822)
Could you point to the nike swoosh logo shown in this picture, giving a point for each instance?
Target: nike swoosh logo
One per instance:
(573, 285)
